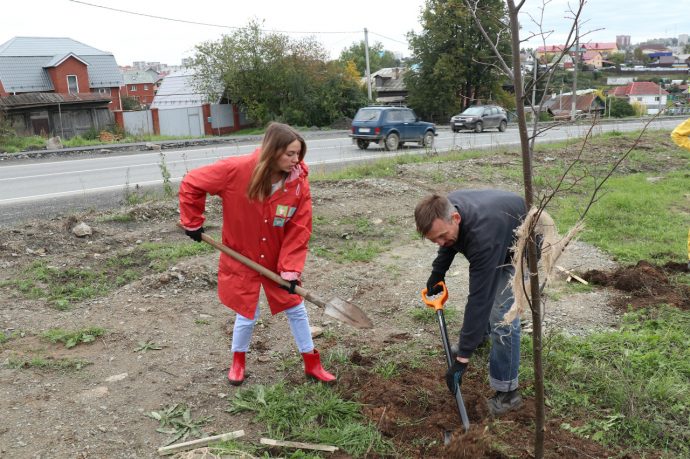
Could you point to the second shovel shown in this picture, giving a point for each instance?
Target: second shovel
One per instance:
(437, 304)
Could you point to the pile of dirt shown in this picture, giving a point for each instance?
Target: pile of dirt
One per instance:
(644, 284)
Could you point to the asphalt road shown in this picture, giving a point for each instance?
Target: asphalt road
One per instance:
(48, 187)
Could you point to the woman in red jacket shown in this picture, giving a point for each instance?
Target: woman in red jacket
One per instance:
(267, 216)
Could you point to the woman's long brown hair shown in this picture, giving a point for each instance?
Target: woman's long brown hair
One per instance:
(276, 140)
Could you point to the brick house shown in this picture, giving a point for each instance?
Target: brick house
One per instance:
(140, 85)
(57, 86)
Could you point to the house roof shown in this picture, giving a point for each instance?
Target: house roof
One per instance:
(550, 49)
(583, 102)
(177, 90)
(590, 55)
(139, 77)
(389, 79)
(43, 99)
(23, 61)
(599, 46)
(59, 59)
(639, 88)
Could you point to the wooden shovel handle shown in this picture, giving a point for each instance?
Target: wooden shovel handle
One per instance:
(304, 293)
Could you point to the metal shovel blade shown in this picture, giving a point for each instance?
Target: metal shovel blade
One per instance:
(347, 313)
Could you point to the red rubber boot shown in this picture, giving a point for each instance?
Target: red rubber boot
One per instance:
(313, 368)
(236, 373)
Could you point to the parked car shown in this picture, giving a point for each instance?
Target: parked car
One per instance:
(479, 117)
(390, 127)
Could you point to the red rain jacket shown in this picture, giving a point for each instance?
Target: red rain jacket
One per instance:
(274, 233)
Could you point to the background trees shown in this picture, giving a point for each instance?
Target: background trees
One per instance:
(379, 58)
(274, 77)
(452, 66)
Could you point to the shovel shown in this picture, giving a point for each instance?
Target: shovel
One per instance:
(335, 307)
(437, 304)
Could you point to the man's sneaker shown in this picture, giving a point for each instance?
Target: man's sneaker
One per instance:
(503, 402)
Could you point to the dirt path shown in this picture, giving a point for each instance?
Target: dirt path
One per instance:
(100, 410)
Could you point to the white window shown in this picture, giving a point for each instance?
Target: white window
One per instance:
(146, 87)
(72, 84)
(133, 87)
(105, 91)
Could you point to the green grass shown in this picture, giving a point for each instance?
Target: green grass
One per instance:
(427, 315)
(240, 450)
(162, 255)
(146, 346)
(71, 338)
(312, 413)
(630, 387)
(16, 144)
(60, 287)
(42, 363)
(387, 167)
(387, 369)
(176, 420)
(635, 218)
(5, 337)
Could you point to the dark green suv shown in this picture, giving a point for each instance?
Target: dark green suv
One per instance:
(390, 127)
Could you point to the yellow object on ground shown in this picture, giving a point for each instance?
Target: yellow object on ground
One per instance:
(681, 134)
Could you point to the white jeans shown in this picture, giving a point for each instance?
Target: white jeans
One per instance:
(299, 325)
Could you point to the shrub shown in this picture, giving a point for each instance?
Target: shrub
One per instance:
(620, 108)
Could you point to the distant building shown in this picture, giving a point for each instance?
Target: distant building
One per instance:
(183, 110)
(159, 67)
(592, 54)
(619, 81)
(623, 41)
(57, 86)
(587, 104)
(389, 85)
(140, 85)
(647, 93)
(683, 39)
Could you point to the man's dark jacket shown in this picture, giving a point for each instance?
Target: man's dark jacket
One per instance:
(488, 219)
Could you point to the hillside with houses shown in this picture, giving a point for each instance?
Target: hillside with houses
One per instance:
(60, 87)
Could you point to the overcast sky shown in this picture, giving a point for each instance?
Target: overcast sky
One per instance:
(336, 24)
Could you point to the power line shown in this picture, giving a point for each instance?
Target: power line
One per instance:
(163, 18)
(389, 38)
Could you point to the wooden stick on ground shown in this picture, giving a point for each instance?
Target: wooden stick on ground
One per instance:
(186, 446)
(572, 275)
(298, 445)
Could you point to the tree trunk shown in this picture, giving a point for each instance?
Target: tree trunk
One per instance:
(531, 248)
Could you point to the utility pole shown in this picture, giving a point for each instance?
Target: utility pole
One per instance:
(366, 56)
(535, 63)
(573, 109)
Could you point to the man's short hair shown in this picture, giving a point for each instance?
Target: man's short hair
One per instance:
(429, 209)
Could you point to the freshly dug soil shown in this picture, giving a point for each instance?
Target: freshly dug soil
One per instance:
(644, 285)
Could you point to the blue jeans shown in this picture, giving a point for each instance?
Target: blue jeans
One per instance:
(299, 325)
(504, 358)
